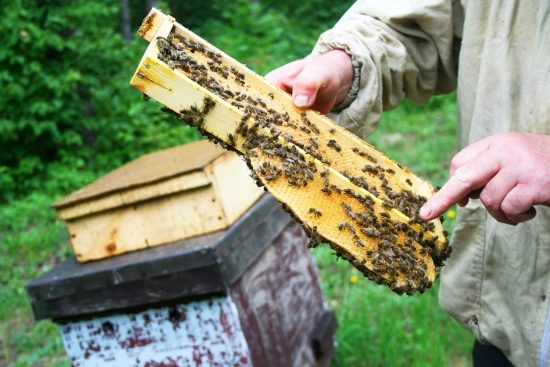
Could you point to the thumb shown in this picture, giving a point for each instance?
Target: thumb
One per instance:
(307, 85)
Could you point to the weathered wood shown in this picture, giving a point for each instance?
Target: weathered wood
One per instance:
(284, 278)
(227, 101)
(159, 198)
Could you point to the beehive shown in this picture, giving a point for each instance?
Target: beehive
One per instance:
(159, 198)
(340, 188)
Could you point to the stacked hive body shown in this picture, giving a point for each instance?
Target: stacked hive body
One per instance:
(341, 189)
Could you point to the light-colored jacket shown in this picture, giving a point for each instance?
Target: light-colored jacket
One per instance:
(497, 280)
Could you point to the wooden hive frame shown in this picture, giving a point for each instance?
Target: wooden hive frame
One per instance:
(340, 188)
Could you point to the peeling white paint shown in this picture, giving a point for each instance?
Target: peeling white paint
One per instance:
(203, 333)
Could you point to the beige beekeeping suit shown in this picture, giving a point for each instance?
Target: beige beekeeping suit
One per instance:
(497, 280)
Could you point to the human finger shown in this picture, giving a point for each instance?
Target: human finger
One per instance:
(466, 178)
(307, 84)
(494, 193)
(523, 217)
(283, 76)
(518, 203)
(469, 153)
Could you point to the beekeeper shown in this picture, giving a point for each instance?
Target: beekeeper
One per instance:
(497, 55)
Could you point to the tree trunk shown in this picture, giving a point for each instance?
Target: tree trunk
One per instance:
(125, 26)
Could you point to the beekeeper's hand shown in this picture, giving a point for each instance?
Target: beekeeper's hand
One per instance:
(319, 82)
(509, 173)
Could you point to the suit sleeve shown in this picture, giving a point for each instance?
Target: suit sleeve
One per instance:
(400, 49)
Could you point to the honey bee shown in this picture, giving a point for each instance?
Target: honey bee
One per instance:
(351, 228)
(314, 235)
(370, 231)
(314, 128)
(314, 142)
(287, 137)
(359, 241)
(370, 169)
(384, 215)
(317, 213)
(231, 139)
(346, 207)
(334, 145)
(370, 158)
(349, 192)
(326, 190)
(293, 182)
(336, 188)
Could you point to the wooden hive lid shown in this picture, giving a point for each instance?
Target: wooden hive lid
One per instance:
(132, 182)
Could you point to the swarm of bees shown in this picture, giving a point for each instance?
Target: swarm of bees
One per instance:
(286, 149)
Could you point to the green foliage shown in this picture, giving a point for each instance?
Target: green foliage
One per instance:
(66, 71)
(31, 242)
(265, 35)
(316, 14)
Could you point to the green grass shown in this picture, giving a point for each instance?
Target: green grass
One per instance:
(31, 242)
(379, 328)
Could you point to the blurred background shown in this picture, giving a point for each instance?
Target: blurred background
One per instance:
(68, 116)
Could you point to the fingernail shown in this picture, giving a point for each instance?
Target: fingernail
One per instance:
(425, 211)
(301, 100)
